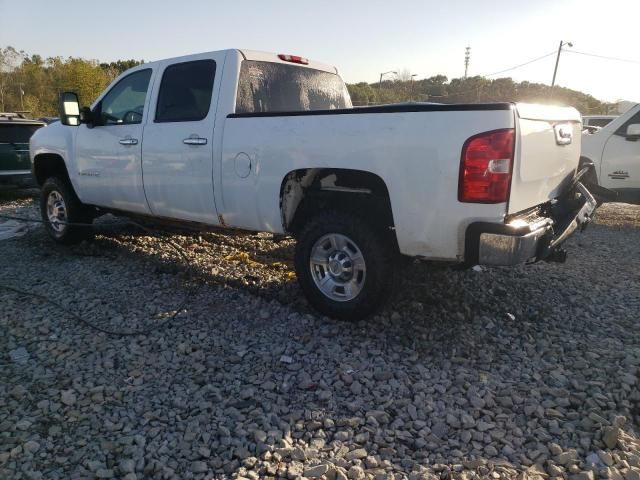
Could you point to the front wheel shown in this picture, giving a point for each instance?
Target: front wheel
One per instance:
(65, 217)
(344, 265)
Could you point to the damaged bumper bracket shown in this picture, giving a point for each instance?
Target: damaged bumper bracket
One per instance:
(522, 241)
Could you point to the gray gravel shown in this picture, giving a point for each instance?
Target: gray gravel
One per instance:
(520, 373)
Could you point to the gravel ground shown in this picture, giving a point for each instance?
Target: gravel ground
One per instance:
(520, 373)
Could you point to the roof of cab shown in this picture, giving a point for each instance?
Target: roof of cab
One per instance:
(250, 55)
(273, 57)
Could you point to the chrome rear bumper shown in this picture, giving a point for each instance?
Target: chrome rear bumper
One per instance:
(522, 241)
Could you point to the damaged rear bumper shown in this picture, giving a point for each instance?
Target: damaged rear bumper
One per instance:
(532, 237)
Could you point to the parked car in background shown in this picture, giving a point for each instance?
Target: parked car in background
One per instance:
(48, 120)
(268, 142)
(15, 132)
(597, 120)
(615, 152)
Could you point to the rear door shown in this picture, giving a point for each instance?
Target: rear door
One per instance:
(547, 154)
(177, 152)
(620, 169)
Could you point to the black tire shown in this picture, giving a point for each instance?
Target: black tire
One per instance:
(75, 212)
(377, 251)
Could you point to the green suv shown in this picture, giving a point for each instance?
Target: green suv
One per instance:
(15, 132)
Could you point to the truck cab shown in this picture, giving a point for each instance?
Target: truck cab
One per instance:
(615, 152)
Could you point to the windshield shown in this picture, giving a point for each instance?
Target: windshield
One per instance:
(17, 133)
(275, 87)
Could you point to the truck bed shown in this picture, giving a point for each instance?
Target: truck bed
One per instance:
(415, 148)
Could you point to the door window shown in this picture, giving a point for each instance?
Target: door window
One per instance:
(124, 104)
(17, 133)
(185, 91)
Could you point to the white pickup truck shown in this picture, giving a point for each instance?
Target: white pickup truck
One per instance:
(614, 151)
(268, 142)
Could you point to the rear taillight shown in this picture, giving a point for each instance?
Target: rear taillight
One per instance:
(293, 59)
(485, 168)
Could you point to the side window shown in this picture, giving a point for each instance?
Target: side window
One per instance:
(124, 103)
(185, 91)
(600, 122)
(622, 131)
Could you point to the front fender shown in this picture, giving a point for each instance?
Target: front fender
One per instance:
(56, 139)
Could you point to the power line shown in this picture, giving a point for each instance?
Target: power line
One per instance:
(477, 89)
(604, 57)
(520, 65)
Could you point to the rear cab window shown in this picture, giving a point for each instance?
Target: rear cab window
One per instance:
(276, 87)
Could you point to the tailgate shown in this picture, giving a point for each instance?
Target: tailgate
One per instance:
(547, 154)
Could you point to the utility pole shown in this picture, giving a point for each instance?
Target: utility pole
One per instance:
(21, 96)
(382, 75)
(555, 70)
(411, 89)
(467, 57)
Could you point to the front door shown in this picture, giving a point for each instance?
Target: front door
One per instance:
(621, 163)
(109, 153)
(177, 152)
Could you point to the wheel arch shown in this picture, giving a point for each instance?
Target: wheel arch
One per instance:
(592, 175)
(304, 192)
(47, 165)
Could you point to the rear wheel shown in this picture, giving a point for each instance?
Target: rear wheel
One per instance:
(344, 265)
(61, 209)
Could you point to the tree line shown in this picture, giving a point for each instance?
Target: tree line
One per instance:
(440, 89)
(31, 84)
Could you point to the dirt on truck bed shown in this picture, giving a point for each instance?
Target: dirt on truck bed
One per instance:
(487, 373)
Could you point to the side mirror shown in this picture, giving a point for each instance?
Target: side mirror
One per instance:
(86, 116)
(69, 109)
(633, 132)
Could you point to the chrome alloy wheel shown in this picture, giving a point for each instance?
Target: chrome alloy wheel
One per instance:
(56, 211)
(337, 267)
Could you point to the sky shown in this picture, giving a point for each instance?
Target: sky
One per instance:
(361, 38)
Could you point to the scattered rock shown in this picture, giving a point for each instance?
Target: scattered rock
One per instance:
(248, 382)
(317, 471)
(357, 453)
(199, 467)
(127, 466)
(356, 473)
(19, 355)
(610, 436)
(68, 397)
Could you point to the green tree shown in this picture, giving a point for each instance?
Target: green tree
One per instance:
(119, 66)
(439, 88)
(362, 93)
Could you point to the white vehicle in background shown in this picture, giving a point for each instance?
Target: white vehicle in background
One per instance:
(614, 151)
(268, 142)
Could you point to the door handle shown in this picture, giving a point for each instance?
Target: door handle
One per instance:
(194, 140)
(128, 141)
